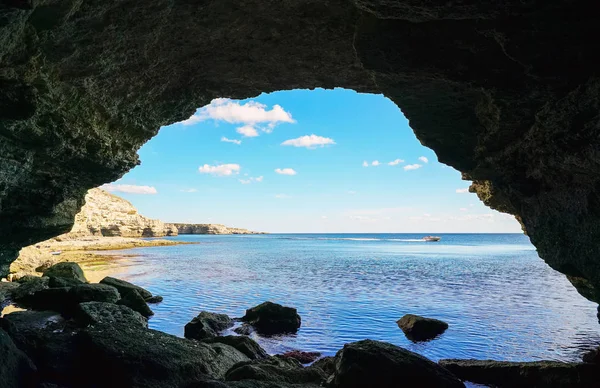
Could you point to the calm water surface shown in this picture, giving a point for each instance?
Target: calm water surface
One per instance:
(500, 299)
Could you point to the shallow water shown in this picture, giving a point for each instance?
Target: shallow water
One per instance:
(500, 299)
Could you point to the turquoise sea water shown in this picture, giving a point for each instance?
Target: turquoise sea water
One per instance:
(499, 298)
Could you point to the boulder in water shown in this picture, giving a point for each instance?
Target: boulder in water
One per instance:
(593, 356)
(207, 325)
(99, 313)
(417, 328)
(272, 318)
(134, 301)
(124, 287)
(371, 363)
(244, 344)
(66, 270)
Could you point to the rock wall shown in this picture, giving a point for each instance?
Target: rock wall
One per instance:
(210, 229)
(108, 215)
(506, 92)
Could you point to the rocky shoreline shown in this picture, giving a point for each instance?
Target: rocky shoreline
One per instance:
(81, 334)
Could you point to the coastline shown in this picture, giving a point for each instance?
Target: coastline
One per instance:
(91, 252)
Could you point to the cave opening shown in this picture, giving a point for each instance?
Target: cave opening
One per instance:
(316, 168)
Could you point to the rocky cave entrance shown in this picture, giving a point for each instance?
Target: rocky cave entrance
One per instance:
(506, 94)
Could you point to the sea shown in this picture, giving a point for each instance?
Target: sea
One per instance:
(500, 299)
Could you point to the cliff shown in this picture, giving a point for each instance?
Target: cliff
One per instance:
(107, 215)
(210, 229)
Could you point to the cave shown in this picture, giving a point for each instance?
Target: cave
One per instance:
(508, 94)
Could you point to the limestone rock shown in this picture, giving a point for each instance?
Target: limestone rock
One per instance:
(524, 374)
(105, 214)
(134, 301)
(272, 318)
(207, 325)
(101, 313)
(124, 287)
(244, 344)
(417, 328)
(210, 229)
(370, 363)
(66, 270)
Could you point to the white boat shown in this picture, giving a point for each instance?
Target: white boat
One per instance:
(431, 238)
(55, 253)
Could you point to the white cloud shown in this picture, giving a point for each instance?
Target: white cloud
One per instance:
(129, 189)
(220, 170)
(234, 141)
(463, 209)
(285, 171)
(282, 196)
(412, 167)
(470, 217)
(365, 164)
(188, 190)
(423, 159)
(375, 163)
(324, 217)
(309, 141)
(462, 191)
(351, 192)
(395, 162)
(252, 112)
(247, 131)
(250, 180)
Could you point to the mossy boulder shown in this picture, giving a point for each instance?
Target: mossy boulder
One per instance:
(134, 301)
(66, 270)
(276, 369)
(94, 293)
(244, 344)
(124, 287)
(102, 313)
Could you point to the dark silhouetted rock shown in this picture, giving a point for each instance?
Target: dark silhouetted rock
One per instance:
(593, 356)
(276, 369)
(147, 358)
(207, 325)
(6, 290)
(134, 301)
(26, 290)
(27, 278)
(63, 282)
(326, 364)
(48, 340)
(272, 318)
(44, 266)
(155, 299)
(245, 329)
(57, 299)
(525, 374)
(94, 293)
(16, 369)
(101, 313)
(244, 344)
(370, 363)
(124, 287)
(66, 270)
(417, 328)
(302, 357)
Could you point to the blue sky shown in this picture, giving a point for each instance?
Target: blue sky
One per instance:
(303, 161)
